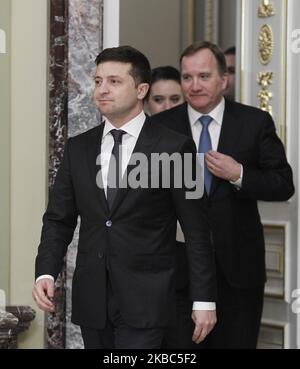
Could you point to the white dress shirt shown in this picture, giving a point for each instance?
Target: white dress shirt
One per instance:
(133, 129)
(214, 129)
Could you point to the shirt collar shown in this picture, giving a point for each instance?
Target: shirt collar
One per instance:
(133, 127)
(217, 113)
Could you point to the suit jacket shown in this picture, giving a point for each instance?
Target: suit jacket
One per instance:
(248, 135)
(133, 243)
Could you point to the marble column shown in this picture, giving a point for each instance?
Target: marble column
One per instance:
(85, 42)
(58, 123)
(75, 41)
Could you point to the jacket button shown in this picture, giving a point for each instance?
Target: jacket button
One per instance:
(108, 223)
(100, 256)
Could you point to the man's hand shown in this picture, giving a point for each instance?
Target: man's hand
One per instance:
(43, 293)
(223, 166)
(204, 321)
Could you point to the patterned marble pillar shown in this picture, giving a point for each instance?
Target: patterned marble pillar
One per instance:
(75, 41)
(58, 122)
(85, 42)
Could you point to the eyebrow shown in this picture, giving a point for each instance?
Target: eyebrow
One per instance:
(111, 76)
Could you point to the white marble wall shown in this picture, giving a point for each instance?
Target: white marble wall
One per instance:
(85, 42)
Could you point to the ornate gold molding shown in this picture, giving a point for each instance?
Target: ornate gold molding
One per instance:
(265, 44)
(266, 9)
(209, 29)
(191, 22)
(265, 79)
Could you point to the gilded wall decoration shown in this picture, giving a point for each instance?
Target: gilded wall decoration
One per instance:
(266, 9)
(265, 44)
(209, 32)
(265, 79)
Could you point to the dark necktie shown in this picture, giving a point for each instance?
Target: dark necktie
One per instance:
(204, 147)
(115, 167)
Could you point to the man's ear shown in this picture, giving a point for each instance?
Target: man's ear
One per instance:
(225, 81)
(142, 90)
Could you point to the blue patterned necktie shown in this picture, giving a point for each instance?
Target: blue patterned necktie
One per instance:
(204, 147)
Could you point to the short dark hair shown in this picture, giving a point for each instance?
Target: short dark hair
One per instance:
(201, 45)
(230, 51)
(165, 73)
(140, 66)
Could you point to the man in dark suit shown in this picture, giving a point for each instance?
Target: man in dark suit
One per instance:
(244, 162)
(123, 292)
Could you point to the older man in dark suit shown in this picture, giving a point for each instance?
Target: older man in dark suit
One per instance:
(245, 162)
(124, 282)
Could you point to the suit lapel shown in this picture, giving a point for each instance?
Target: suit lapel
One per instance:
(144, 145)
(229, 137)
(93, 151)
(181, 118)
